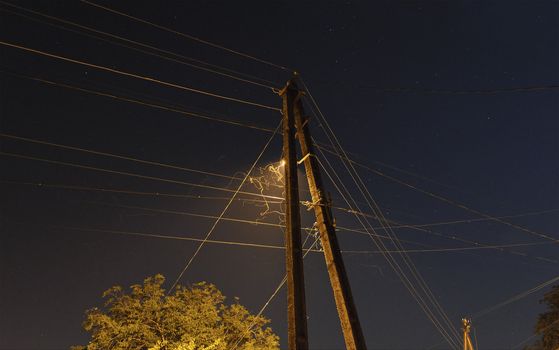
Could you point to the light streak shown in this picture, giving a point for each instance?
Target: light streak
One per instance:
(269, 177)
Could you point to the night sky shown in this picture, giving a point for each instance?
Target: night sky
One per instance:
(455, 98)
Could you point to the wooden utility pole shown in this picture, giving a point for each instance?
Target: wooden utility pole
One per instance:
(347, 312)
(297, 312)
(466, 325)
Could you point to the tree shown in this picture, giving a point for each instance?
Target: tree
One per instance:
(194, 318)
(547, 326)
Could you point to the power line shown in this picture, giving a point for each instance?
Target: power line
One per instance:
(517, 346)
(395, 241)
(474, 243)
(274, 293)
(393, 263)
(184, 35)
(469, 92)
(476, 246)
(486, 216)
(257, 245)
(112, 190)
(256, 223)
(514, 298)
(131, 192)
(117, 156)
(421, 228)
(143, 103)
(205, 216)
(224, 209)
(109, 171)
(390, 260)
(428, 91)
(137, 76)
(182, 59)
(154, 163)
(443, 199)
(392, 167)
(171, 237)
(395, 225)
(467, 221)
(499, 247)
(442, 250)
(455, 203)
(244, 221)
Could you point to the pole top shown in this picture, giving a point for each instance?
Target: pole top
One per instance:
(466, 324)
(291, 84)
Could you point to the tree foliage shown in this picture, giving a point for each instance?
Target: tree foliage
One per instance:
(547, 326)
(191, 318)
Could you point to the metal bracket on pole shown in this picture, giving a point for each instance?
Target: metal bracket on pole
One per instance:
(303, 159)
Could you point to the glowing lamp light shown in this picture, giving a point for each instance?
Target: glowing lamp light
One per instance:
(282, 162)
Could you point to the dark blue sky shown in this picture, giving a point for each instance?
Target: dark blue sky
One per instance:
(413, 85)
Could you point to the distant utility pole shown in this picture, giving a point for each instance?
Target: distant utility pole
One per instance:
(296, 308)
(347, 312)
(466, 325)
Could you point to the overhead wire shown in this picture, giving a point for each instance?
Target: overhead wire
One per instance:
(188, 36)
(466, 92)
(243, 244)
(462, 206)
(143, 103)
(181, 59)
(477, 246)
(443, 250)
(428, 91)
(417, 225)
(393, 264)
(395, 225)
(210, 231)
(486, 311)
(252, 222)
(138, 76)
(409, 173)
(140, 176)
(178, 212)
(247, 174)
(207, 216)
(390, 259)
(395, 239)
(172, 237)
(132, 192)
(459, 239)
(274, 293)
(468, 221)
(245, 221)
(450, 201)
(452, 337)
(488, 218)
(343, 155)
(116, 156)
(552, 324)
